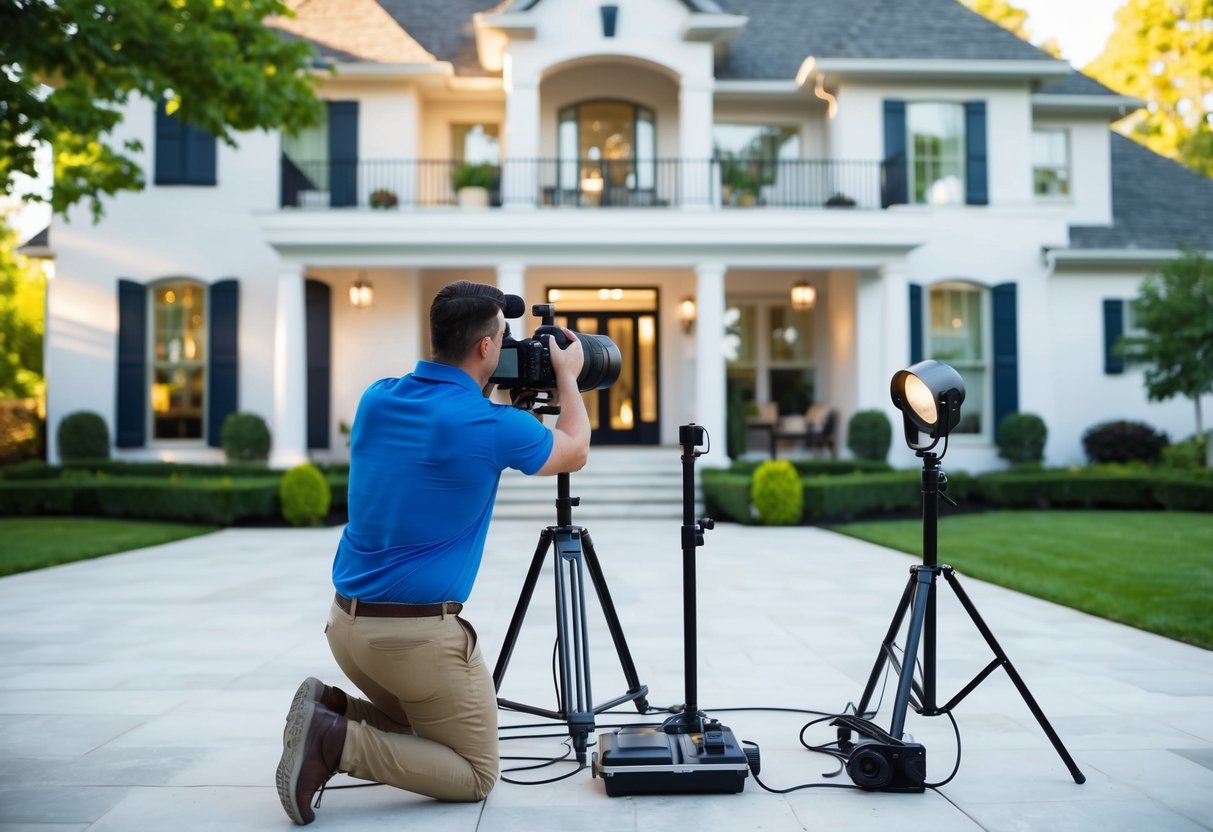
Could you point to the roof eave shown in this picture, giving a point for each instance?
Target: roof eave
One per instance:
(1125, 257)
(932, 68)
(494, 31)
(1113, 106)
(718, 29)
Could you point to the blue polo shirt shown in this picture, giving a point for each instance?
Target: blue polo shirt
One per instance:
(426, 453)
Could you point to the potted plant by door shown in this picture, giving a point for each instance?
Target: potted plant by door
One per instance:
(472, 183)
(383, 198)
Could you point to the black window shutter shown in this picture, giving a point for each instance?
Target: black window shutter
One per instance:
(1006, 352)
(132, 398)
(895, 160)
(915, 323)
(1113, 328)
(318, 303)
(343, 152)
(977, 190)
(199, 157)
(222, 397)
(170, 148)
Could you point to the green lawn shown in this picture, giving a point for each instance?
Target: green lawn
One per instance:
(37, 542)
(1152, 570)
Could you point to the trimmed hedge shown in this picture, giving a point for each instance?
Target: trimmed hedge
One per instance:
(816, 467)
(212, 501)
(778, 494)
(846, 497)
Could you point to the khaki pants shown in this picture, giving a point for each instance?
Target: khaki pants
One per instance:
(431, 723)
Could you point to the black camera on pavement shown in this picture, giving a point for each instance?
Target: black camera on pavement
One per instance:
(526, 363)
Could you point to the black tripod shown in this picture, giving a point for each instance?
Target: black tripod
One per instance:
(919, 599)
(573, 554)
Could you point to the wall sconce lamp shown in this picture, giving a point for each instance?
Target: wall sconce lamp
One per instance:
(804, 297)
(686, 314)
(929, 395)
(362, 292)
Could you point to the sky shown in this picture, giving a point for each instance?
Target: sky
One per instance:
(1081, 27)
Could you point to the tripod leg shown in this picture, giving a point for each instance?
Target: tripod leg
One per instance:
(636, 691)
(575, 690)
(925, 579)
(1078, 776)
(524, 601)
(886, 649)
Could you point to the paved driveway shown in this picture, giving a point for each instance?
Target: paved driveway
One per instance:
(146, 691)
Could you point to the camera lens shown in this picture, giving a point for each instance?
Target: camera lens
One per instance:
(602, 362)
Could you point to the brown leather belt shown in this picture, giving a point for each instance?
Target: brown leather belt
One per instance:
(376, 610)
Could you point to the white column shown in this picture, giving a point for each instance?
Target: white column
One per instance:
(696, 182)
(519, 180)
(895, 286)
(289, 428)
(511, 279)
(710, 406)
(871, 343)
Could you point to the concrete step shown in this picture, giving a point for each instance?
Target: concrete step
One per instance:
(616, 483)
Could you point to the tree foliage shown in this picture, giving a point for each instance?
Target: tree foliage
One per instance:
(1175, 308)
(22, 299)
(67, 67)
(1163, 53)
(1013, 19)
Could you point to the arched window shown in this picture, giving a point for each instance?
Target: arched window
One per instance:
(608, 151)
(179, 358)
(959, 334)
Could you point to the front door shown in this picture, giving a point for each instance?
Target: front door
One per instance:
(626, 413)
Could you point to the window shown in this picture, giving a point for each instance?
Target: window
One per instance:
(753, 156)
(185, 155)
(476, 143)
(179, 353)
(769, 353)
(1051, 163)
(307, 152)
(608, 151)
(936, 142)
(957, 335)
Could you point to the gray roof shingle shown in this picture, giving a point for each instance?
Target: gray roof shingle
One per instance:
(1156, 204)
(782, 33)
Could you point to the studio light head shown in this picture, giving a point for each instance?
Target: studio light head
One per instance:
(929, 395)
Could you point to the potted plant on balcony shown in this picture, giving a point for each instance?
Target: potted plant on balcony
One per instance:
(472, 183)
(383, 198)
(743, 186)
(840, 200)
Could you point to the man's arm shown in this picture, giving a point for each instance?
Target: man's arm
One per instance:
(571, 433)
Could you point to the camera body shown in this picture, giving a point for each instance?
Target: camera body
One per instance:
(887, 767)
(526, 363)
(878, 761)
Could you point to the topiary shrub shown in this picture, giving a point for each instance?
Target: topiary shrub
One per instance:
(1021, 438)
(1123, 441)
(305, 495)
(869, 434)
(778, 493)
(83, 435)
(245, 438)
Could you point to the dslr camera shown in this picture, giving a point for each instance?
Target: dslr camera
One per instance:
(526, 363)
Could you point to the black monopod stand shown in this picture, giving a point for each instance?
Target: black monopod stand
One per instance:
(573, 554)
(691, 753)
(919, 599)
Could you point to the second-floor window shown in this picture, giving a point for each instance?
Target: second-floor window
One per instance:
(476, 143)
(754, 157)
(1051, 163)
(608, 149)
(184, 154)
(935, 140)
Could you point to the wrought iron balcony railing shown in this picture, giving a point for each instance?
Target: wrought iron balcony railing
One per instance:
(590, 183)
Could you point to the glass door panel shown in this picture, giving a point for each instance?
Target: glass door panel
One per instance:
(622, 412)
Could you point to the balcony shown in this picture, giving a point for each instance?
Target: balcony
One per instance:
(725, 184)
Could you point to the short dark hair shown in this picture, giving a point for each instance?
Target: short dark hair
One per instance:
(462, 313)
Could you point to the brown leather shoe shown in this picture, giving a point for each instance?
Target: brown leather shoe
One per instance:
(317, 691)
(311, 753)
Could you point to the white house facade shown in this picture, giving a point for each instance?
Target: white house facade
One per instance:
(664, 172)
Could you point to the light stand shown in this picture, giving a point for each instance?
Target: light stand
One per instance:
(572, 556)
(914, 391)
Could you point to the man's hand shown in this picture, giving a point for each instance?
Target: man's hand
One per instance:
(568, 360)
